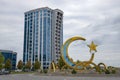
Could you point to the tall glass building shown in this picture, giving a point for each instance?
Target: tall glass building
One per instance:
(43, 36)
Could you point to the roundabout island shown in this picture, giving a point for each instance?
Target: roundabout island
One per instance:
(81, 65)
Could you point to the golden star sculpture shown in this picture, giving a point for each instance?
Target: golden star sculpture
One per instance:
(92, 47)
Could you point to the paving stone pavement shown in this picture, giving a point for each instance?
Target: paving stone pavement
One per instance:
(37, 77)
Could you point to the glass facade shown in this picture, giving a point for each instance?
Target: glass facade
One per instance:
(10, 55)
(39, 36)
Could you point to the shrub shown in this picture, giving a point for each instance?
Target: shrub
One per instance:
(33, 69)
(23, 69)
(100, 71)
(41, 71)
(113, 71)
(45, 71)
(73, 71)
(107, 72)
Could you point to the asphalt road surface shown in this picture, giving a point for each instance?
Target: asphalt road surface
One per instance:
(36, 77)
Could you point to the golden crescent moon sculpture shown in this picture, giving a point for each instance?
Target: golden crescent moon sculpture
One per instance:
(67, 59)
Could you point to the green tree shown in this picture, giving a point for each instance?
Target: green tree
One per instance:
(1, 61)
(20, 64)
(8, 64)
(61, 63)
(28, 65)
(77, 61)
(1, 58)
(1, 66)
(37, 65)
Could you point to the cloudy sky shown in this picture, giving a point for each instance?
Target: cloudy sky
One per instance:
(95, 20)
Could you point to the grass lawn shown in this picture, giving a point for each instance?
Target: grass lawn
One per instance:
(21, 72)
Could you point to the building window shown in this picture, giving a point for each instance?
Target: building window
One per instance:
(57, 20)
(57, 59)
(58, 13)
(57, 24)
(45, 10)
(44, 63)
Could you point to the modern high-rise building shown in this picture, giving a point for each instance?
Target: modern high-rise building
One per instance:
(43, 36)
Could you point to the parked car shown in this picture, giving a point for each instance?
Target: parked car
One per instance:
(1, 72)
(4, 72)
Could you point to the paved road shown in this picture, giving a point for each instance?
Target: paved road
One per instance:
(33, 77)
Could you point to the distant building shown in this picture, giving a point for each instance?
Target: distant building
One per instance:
(10, 55)
(43, 36)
